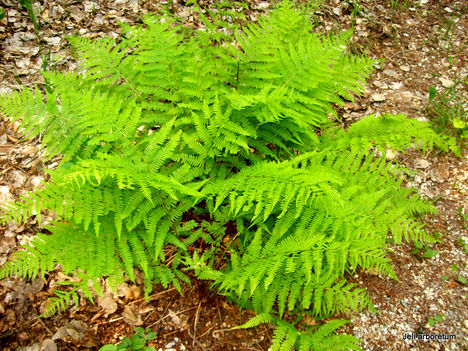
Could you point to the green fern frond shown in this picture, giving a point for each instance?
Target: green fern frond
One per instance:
(288, 337)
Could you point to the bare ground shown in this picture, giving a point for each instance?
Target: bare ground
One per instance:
(423, 44)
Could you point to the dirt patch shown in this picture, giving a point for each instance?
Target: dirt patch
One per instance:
(423, 44)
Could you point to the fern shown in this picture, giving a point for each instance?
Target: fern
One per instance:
(170, 137)
(288, 337)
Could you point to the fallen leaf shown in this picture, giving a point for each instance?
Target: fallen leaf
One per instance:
(174, 317)
(132, 293)
(421, 163)
(48, 345)
(10, 317)
(107, 303)
(405, 68)
(130, 317)
(60, 333)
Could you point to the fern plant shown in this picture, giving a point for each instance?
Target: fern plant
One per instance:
(167, 124)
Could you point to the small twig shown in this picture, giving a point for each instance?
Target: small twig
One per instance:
(153, 297)
(195, 341)
(170, 333)
(221, 330)
(197, 315)
(158, 321)
(40, 321)
(115, 319)
(201, 336)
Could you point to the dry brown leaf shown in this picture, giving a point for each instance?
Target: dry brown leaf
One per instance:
(107, 303)
(131, 317)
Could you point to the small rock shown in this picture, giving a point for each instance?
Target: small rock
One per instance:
(397, 85)
(18, 178)
(263, 5)
(54, 41)
(33, 50)
(390, 73)
(98, 20)
(446, 83)
(56, 11)
(363, 33)
(76, 14)
(90, 6)
(36, 7)
(405, 68)
(28, 36)
(5, 195)
(421, 163)
(12, 13)
(465, 323)
(23, 63)
(378, 97)
(390, 154)
(428, 192)
(133, 4)
(337, 11)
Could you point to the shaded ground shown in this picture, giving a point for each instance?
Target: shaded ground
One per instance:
(423, 44)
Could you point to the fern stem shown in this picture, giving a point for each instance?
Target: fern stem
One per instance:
(168, 214)
(237, 75)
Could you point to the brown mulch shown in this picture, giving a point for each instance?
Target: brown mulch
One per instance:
(423, 44)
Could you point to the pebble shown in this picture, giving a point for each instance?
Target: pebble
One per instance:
(90, 6)
(378, 97)
(56, 11)
(446, 83)
(405, 68)
(390, 154)
(5, 195)
(390, 73)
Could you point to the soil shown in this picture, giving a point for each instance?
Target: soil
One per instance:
(423, 44)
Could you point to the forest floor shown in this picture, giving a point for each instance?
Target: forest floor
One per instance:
(423, 44)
